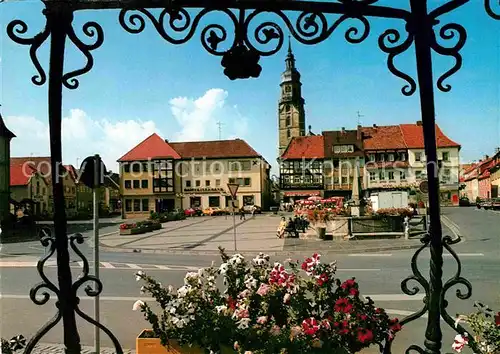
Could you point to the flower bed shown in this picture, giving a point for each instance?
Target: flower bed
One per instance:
(140, 227)
(266, 309)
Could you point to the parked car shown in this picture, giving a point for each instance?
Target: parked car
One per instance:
(193, 212)
(212, 211)
(464, 201)
(495, 203)
(248, 209)
(485, 204)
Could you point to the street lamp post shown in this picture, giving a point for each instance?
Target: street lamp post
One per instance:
(233, 189)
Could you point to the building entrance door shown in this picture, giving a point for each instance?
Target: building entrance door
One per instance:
(164, 205)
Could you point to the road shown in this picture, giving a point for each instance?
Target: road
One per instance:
(379, 275)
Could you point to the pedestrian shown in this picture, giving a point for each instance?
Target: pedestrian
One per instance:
(242, 214)
(254, 208)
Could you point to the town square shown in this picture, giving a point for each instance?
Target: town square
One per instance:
(257, 193)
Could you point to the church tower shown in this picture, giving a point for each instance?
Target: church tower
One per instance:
(5, 136)
(291, 114)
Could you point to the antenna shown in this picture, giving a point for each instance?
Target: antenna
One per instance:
(359, 115)
(220, 124)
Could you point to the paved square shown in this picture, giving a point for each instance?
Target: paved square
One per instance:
(206, 234)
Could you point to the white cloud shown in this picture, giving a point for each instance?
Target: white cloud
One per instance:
(198, 117)
(82, 137)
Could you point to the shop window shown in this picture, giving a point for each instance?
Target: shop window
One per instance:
(248, 200)
(214, 202)
(144, 183)
(195, 202)
(145, 205)
(128, 205)
(137, 205)
(136, 183)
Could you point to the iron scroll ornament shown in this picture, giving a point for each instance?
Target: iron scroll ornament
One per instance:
(84, 277)
(17, 28)
(311, 27)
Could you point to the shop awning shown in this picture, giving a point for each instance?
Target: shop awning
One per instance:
(302, 194)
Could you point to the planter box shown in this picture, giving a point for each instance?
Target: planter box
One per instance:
(156, 227)
(144, 345)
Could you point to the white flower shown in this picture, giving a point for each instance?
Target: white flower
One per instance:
(286, 298)
(236, 259)
(221, 308)
(137, 305)
(143, 289)
(223, 268)
(138, 275)
(182, 291)
(243, 323)
(250, 281)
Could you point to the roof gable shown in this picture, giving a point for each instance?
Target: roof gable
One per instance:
(309, 147)
(413, 135)
(215, 149)
(153, 147)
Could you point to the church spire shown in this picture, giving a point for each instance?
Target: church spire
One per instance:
(290, 58)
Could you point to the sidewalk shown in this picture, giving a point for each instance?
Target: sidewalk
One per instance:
(59, 349)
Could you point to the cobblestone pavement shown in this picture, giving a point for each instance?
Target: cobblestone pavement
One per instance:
(59, 349)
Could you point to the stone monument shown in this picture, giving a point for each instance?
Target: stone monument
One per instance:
(357, 203)
(5, 137)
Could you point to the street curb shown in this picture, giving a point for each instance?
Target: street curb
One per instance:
(269, 252)
(47, 348)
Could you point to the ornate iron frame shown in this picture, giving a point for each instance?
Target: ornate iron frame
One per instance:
(240, 60)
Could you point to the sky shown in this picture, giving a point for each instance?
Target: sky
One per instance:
(142, 84)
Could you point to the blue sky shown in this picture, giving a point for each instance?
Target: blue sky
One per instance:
(140, 84)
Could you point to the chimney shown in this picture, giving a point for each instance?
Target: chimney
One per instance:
(419, 123)
(166, 140)
(359, 133)
(343, 130)
(375, 126)
(486, 157)
(497, 150)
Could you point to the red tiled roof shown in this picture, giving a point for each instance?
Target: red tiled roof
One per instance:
(151, 147)
(215, 149)
(72, 171)
(310, 147)
(20, 174)
(383, 138)
(413, 136)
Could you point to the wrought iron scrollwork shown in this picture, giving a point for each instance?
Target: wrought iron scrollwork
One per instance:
(91, 30)
(457, 279)
(84, 277)
(17, 28)
(388, 43)
(449, 32)
(490, 11)
(49, 242)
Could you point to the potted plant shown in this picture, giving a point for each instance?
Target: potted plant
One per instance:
(318, 219)
(127, 228)
(486, 327)
(265, 308)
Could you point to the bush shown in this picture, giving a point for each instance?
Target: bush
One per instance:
(403, 212)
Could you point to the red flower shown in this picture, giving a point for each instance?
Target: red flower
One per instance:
(310, 264)
(310, 326)
(497, 319)
(363, 317)
(394, 325)
(344, 328)
(343, 305)
(349, 283)
(322, 279)
(365, 335)
(231, 303)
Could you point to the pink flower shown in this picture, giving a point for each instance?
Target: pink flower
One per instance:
(310, 264)
(459, 343)
(263, 289)
(286, 298)
(262, 320)
(276, 330)
(236, 346)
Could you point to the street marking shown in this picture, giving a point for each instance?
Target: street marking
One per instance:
(133, 266)
(465, 255)
(163, 267)
(358, 270)
(107, 265)
(395, 297)
(370, 255)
